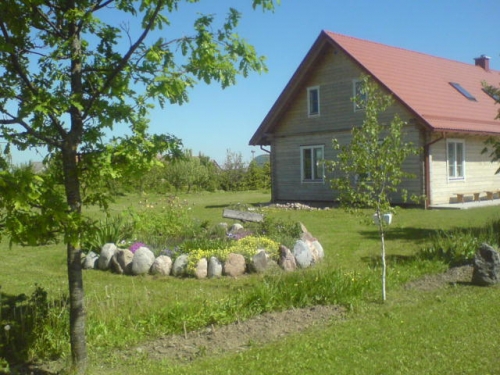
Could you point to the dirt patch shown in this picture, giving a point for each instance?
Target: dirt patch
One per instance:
(455, 275)
(237, 337)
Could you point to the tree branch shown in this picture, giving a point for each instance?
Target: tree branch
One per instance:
(126, 58)
(29, 130)
(24, 77)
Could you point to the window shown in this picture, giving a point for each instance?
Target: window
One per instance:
(358, 95)
(456, 159)
(463, 91)
(312, 168)
(313, 101)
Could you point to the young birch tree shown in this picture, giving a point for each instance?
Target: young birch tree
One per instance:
(368, 170)
(72, 72)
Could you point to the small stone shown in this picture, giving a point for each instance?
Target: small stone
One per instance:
(201, 269)
(259, 261)
(161, 266)
(287, 260)
(180, 265)
(302, 254)
(486, 266)
(90, 261)
(214, 268)
(142, 261)
(235, 265)
(107, 252)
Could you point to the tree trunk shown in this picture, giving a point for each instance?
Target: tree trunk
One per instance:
(75, 277)
(382, 240)
(77, 310)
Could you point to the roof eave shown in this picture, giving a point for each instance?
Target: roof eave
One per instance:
(290, 89)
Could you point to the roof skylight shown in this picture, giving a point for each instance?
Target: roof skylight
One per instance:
(463, 91)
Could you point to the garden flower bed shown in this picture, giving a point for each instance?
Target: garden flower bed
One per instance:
(246, 253)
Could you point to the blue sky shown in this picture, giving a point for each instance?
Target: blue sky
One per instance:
(215, 120)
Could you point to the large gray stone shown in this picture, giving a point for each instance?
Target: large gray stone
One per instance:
(162, 265)
(180, 265)
(235, 265)
(302, 253)
(107, 253)
(120, 263)
(142, 261)
(486, 266)
(214, 268)
(259, 261)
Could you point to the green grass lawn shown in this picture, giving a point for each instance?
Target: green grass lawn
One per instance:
(447, 331)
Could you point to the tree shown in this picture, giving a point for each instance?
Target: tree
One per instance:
(233, 172)
(492, 145)
(187, 172)
(67, 78)
(368, 170)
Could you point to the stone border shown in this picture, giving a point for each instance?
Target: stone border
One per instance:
(306, 252)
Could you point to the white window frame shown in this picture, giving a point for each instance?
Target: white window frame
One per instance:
(310, 111)
(453, 165)
(317, 168)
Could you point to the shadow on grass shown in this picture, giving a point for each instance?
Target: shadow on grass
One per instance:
(407, 234)
(375, 260)
(21, 318)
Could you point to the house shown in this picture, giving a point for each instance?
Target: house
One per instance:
(443, 103)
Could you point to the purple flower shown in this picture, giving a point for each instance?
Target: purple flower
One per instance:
(133, 248)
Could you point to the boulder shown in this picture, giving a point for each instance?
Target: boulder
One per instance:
(107, 253)
(121, 261)
(142, 261)
(486, 266)
(319, 249)
(235, 265)
(90, 261)
(180, 265)
(201, 270)
(313, 244)
(302, 253)
(259, 261)
(162, 266)
(287, 260)
(214, 268)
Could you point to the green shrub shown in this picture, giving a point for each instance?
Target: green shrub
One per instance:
(284, 232)
(458, 246)
(115, 230)
(163, 223)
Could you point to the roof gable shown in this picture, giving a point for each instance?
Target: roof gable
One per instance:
(420, 81)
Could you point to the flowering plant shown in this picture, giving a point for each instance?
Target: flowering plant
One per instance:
(136, 245)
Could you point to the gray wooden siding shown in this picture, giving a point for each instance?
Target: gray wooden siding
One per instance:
(334, 74)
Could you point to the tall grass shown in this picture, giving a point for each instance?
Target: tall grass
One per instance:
(458, 246)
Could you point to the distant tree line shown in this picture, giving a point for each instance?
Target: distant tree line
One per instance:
(192, 173)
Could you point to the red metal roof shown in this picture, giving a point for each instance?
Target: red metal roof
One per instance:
(419, 81)
(422, 82)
